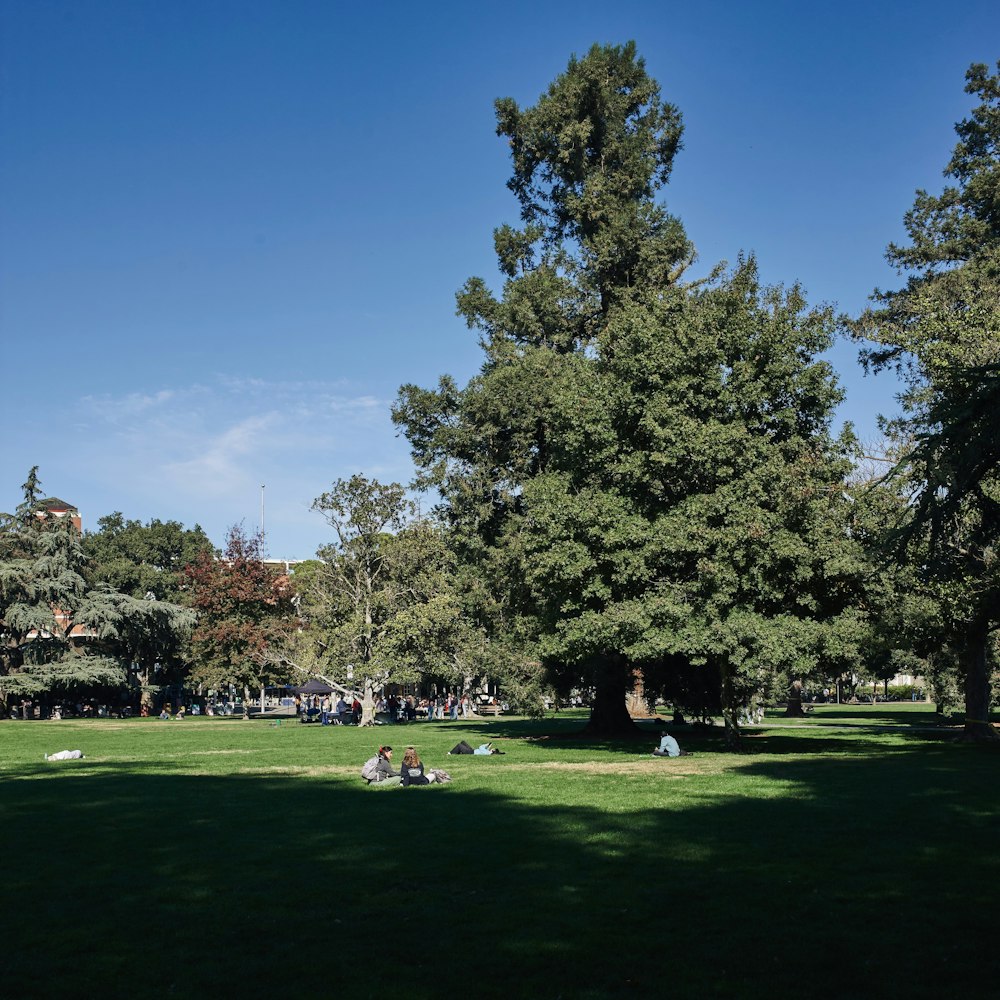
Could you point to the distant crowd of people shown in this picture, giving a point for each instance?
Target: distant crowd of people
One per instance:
(346, 710)
(29, 709)
(393, 708)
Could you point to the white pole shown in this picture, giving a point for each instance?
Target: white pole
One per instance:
(262, 516)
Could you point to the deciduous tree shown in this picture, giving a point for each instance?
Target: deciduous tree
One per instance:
(384, 601)
(141, 559)
(245, 612)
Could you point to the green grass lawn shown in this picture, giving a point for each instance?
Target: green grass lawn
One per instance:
(853, 854)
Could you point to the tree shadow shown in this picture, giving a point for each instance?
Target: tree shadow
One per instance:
(571, 734)
(871, 716)
(121, 881)
(857, 739)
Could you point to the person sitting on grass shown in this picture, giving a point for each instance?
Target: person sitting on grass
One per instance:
(385, 776)
(669, 747)
(412, 771)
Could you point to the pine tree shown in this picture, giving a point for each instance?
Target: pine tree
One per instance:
(41, 589)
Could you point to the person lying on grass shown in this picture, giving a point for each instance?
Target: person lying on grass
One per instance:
(483, 750)
(65, 755)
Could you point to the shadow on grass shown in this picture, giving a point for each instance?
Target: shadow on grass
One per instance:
(828, 875)
(570, 734)
(860, 713)
(858, 739)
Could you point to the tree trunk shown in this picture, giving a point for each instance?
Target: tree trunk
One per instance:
(608, 714)
(730, 710)
(145, 695)
(977, 688)
(636, 703)
(794, 703)
(246, 701)
(368, 704)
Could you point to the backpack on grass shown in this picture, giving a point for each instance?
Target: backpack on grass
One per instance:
(370, 769)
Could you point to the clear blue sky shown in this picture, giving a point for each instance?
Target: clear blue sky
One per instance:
(230, 230)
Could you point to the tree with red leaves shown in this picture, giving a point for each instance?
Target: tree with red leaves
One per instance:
(245, 611)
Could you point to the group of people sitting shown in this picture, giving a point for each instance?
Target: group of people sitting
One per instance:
(181, 710)
(379, 770)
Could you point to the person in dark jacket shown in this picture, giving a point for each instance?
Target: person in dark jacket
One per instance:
(412, 771)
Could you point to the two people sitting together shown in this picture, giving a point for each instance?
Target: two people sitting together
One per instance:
(411, 771)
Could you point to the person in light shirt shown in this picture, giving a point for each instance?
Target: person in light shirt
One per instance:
(669, 747)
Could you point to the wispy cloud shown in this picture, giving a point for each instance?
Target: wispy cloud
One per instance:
(220, 463)
(201, 452)
(114, 409)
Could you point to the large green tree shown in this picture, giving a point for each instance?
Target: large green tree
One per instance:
(941, 332)
(899, 611)
(383, 603)
(642, 468)
(141, 559)
(41, 590)
(147, 637)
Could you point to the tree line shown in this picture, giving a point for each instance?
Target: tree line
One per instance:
(641, 487)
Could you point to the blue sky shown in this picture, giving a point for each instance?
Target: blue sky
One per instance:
(229, 231)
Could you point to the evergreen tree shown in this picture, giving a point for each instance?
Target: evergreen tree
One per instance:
(41, 589)
(642, 468)
(147, 637)
(941, 331)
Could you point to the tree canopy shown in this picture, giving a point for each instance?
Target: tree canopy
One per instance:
(41, 590)
(383, 604)
(941, 331)
(140, 559)
(643, 468)
(245, 612)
